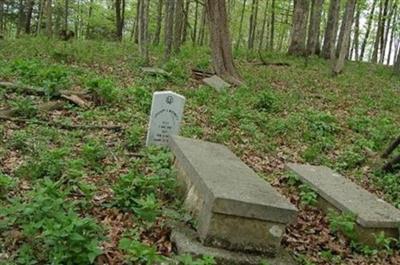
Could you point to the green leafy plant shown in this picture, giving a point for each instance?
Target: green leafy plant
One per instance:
(139, 253)
(385, 243)
(307, 195)
(267, 101)
(51, 230)
(104, 90)
(24, 107)
(189, 260)
(6, 183)
(134, 137)
(344, 223)
(142, 98)
(93, 152)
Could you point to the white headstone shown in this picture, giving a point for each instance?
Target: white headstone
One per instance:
(165, 117)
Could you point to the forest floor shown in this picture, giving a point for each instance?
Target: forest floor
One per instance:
(76, 195)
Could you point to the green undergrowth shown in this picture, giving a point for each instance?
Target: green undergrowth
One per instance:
(52, 180)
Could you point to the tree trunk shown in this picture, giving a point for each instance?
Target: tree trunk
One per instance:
(49, 18)
(88, 26)
(392, 35)
(328, 49)
(66, 9)
(299, 28)
(356, 42)
(169, 27)
(387, 30)
(397, 63)
(314, 28)
(384, 32)
(378, 35)
(344, 46)
(178, 27)
(157, 34)
(220, 41)
(119, 18)
(136, 33)
(264, 23)
(239, 40)
(28, 16)
(252, 25)
(272, 32)
(186, 21)
(196, 17)
(368, 31)
(202, 32)
(143, 32)
(21, 17)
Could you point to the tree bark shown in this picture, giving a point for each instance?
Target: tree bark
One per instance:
(368, 31)
(264, 23)
(66, 11)
(157, 34)
(252, 25)
(239, 40)
(272, 32)
(196, 17)
(378, 35)
(344, 45)
(392, 35)
(178, 27)
(119, 18)
(384, 31)
(143, 32)
(356, 41)
(328, 50)
(28, 15)
(299, 28)
(220, 41)
(314, 28)
(397, 63)
(49, 18)
(169, 28)
(21, 17)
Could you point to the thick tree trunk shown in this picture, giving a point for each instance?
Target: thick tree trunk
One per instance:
(169, 28)
(178, 27)
(314, 28)
(328, 50)
(220, 41)
(299, 27)
(157, 34)
(239, 40)
(143, 30)
(344, 46)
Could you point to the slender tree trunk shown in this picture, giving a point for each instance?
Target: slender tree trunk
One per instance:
(120, 18)
(49, 17)
(169, 27)
(272, 32)
(40, 16)
(28, 15)
(397, 62)
(196, 17)
(392, 35)
(220, 41)
(264, 23)
(387, 30)
(253, 25)
(66, 11)
(356, 40)
(202, 32)
(2, 18)
(88, 25)
(328, 50)
(383, 32)
(186, 24)
(314, 28)
(143, 34)
(299, 28)
(178, 27)
(157, 34)
(136, 34)
(368, 31)
(344, 46)
(239, 40)
(378, 35)
(21, 17)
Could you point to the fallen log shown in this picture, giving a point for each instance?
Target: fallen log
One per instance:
(391, 148)
(38, 91)
(63, 125)
(45, 107)
(200, 74)
(76, 100)
(266, 63)
(391, 165)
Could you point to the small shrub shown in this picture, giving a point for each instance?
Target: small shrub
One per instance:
(24, 107)
(104, 90)
(139, 253)
(142, 98)
(134, 137)
(93, 152)
(6, 183)
(307, 195)
(344, 223)
(266, 101)
(189, 260)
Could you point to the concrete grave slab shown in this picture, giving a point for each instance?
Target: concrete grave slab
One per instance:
(373, 214)
(186, 242)
(216, 82)
(235, 208)
(165, 117)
